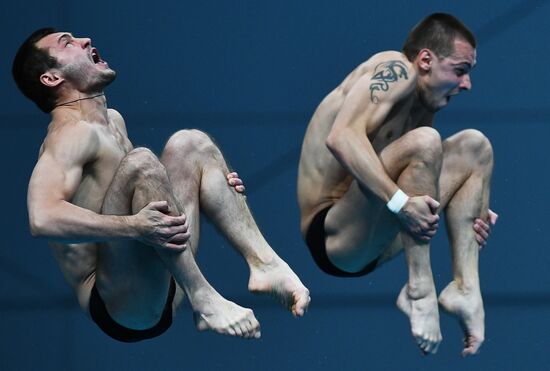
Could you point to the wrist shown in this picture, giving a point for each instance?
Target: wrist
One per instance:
(132, 227)
(398, 200)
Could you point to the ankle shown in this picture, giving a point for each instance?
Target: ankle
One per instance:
(420, 289)
(466, 287)
(261, 259)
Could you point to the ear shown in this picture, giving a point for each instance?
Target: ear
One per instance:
(424, 59)
(51, 79)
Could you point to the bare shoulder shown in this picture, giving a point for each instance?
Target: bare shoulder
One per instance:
(388, 57)
(389, 76)
(117, 119)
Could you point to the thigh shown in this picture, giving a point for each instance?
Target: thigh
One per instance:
(359, 227)
(130, 276)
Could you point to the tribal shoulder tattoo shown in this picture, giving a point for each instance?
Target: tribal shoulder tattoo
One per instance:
(385, 74)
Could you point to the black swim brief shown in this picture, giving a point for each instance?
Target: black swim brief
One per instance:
(118, 332)
(315, 240)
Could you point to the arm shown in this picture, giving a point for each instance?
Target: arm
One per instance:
(364, 110)
(56, 178)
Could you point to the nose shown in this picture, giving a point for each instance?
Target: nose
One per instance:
(85, 42)
(466, 82)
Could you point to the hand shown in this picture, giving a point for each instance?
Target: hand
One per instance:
(419, 217)
(159, 229)
(482, 228)
(234, 181)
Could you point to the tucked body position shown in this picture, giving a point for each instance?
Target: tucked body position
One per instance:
(374, 176)
(123, 223)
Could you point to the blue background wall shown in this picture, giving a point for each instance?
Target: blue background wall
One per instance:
(251, 73)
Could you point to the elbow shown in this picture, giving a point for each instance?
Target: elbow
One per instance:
(36, 229)
(334, 143)
(39, 225)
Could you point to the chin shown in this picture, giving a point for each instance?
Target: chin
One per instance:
(108, 77)
(103, 81)
(432, 107)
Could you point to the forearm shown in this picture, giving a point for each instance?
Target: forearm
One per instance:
(355, 153)
(67, 222)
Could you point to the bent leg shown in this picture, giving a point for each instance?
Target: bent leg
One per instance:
(128, 271)
(360, 228)
(465, 186)
(197, 171)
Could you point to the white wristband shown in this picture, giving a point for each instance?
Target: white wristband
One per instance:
(397, 202)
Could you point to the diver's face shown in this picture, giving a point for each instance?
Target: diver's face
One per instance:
(78, 62)
(448, 76)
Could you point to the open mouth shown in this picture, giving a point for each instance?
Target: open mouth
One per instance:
(96, 58)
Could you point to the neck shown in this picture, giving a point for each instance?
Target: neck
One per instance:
(79, 99)
(89, 107)
(419, 113)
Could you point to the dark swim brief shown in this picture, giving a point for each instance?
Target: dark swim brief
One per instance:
(118, 332)
(315, 240)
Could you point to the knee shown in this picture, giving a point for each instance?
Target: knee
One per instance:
(426, 145)
(188, 141)
(474, 144)
(142, 162)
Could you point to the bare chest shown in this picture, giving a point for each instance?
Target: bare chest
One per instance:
(388, 133)
(395, 126)
(98, 174)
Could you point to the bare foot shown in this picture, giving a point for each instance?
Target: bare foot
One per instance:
(467, 305)
(213, 312)
(424, 316)
(278, 280)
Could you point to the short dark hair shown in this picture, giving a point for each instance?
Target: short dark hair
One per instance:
(437, 32)
(29, 63)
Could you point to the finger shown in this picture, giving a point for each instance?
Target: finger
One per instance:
(430, 233)
(180, 220)
(492, 217)
(434, 219)
(425, 238)
(479, 240)
(433, 204)
(239, 188)
(483, 227)
(235, 182)
(161, 206)
(174, 247)
(172, 232)
(481, 232)
(481, 223)
(180, 238)
(233, 174)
